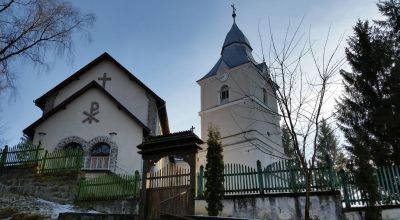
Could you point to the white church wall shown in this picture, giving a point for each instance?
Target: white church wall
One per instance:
(241, 135)
(248, 129)
(68, 122)
(126, 91)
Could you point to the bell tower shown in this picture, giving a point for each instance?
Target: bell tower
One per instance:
(237, 96)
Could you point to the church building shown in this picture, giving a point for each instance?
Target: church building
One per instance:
(106, 111)
(103, 109)
(237, 97)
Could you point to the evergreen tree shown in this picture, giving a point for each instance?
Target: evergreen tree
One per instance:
(287, 143)
(371, 103)
(369, 110)
(328, 150)
(214, 192)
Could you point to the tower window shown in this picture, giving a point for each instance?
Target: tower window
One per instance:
(224, 94)
(265, 95)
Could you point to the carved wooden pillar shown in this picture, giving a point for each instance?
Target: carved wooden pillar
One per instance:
(191, 160)
(142, 206)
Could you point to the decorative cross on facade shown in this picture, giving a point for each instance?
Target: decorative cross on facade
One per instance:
(104, 79)
(94, 110)
(192, 128)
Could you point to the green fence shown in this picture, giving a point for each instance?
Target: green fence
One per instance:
(113, 186)
(388, 179)
(26, 154)
(286, 177)
(21, 155)
(282, 176)
(61, 161)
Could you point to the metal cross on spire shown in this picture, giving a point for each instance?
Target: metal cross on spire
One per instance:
(233, 12)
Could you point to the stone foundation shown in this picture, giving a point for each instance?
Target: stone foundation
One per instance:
(126, 206)
(26, 181)
(324, 205)
(89, 216)
(389, 212)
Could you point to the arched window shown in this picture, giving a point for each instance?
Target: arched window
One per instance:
(101, 149)
(100, 157)
(224, 94)
(72, 146)
(265, 96)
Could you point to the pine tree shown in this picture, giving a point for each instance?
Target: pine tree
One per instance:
(328, 150)
(287, 143)
(372, 90)
(214, 192)
(369, 110)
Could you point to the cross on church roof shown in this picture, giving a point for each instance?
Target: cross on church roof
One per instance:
(104, 79)
(233, 12)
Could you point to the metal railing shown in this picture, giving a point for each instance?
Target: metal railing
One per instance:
(97, 163)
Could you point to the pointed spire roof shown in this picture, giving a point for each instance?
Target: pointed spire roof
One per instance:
(235, 35)
(236, 51)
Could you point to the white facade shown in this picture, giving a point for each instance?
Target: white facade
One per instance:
(131, 95)
(237, 97)
(87, 111)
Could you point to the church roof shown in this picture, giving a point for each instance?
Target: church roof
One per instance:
(162, 111)
(183, 140)
(236, 51)
(235, 35)
(30, 130)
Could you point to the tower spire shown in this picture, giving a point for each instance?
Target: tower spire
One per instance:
(233, 12)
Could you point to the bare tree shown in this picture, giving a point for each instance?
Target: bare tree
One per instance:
(30, 29)
(303, 82)
(302, 95)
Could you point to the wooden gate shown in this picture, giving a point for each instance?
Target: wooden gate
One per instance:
(168, 191)
(171, 189)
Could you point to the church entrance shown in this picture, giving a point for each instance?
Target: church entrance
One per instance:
(168, 191)
(170, 187)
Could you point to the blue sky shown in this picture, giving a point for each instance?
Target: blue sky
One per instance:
(169, 45)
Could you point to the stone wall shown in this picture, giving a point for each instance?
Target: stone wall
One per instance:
(57, 188)
(324, 205)
(388, 213)
(89, 216)
(26, 181)
(126, 206)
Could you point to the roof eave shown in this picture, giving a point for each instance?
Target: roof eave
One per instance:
(40, 102)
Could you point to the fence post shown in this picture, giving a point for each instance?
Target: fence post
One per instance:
(3, 158)
(44, 161)
(79, 160)
(77, 198)
(292, 178)
(344, 182)
(37, 152)
(332, 180)
(200, 181)
(137, 183)
(260, 177)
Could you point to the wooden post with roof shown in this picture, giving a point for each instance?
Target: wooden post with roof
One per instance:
(183, 145)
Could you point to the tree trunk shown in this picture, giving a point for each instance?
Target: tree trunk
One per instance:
(308, 191)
